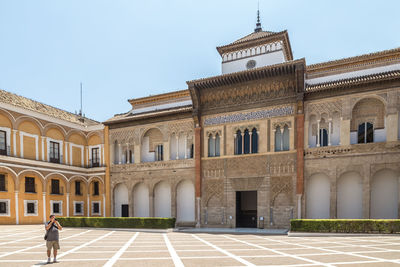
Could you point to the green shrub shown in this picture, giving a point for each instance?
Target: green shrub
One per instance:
(117, 222)
(345, 226)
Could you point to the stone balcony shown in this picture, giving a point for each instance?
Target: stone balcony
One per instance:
(352, 150)
(155, 165)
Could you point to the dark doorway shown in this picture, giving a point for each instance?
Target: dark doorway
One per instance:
(125, 210)
(246, 209)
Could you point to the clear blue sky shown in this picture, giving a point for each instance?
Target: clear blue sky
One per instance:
(123, 49)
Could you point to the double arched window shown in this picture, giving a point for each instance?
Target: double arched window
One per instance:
(246, 142)
(282, 138)
(214, 145)
(365, 133)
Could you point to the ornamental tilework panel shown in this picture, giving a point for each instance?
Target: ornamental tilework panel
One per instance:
(254, 115)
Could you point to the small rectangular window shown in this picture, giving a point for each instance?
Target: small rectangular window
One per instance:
(159, 153)
(96, 208)
(3, 143)
(78, 208)
(54, 152)
(3, 207)
(56, 207)
(30, 207)
(55, 186)
(95, 157)
(96, 188)
(78, 188)
(3, 183)
(30, 185)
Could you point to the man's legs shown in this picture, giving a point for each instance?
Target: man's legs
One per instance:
(48, 255)
(55, 253)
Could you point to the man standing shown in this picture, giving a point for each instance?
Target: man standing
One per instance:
(52, 228)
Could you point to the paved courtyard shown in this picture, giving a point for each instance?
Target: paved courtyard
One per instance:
(24, 246)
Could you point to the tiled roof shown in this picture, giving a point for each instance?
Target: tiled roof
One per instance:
(353, 81)
(129, 116)
(29, 104)
(253, 36)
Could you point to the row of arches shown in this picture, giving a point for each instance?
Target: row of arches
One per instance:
(383, 194)
(246, 142)
(252, 51)
(162, 200)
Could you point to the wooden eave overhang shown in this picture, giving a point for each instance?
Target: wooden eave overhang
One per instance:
(352, 82)
(283, 35)
(351, 62)
(159, 97)
(247, 75)
(141, 116)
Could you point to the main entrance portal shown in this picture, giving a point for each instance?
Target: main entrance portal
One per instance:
(246, 209)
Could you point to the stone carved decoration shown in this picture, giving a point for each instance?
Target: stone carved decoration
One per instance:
(213, 168)
(325, 107)
(124, 135)
(213, 188)
(250, 166)
(281, 164)
(186, 127)
(246, 94)
(249, 127)
(239, 184)
(214, 132)
(281, 187)
(247, 116)
(156, 165)
(281, 124)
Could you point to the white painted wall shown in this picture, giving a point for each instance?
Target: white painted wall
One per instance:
(182, 146)
(120, 198)
(146, 155)
(335, 136)
(318, 197)
(384, 195)
(162, 200)
(380, 135)
(349, 196)
(353, 138)
(185, 199)
(141, 201)
(261, 61)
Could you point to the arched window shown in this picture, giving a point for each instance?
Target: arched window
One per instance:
(254, 141)
(278, 139)
(285, 139)
(246, 142)
(365, 133)
(323, 137)
(211, 146)
(238, 143)
(217, 142)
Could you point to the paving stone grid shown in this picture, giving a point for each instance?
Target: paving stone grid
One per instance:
(24, 246)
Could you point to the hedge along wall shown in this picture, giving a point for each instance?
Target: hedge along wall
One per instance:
(345, 226)
(117, 222)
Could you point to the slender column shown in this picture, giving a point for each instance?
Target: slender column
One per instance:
(88, 205)
(242, 142)
(66, 153)
(197, 158)
(318, 137)
(119, 154)
(70, 154)
(102, 155)
(299, 206)
(15, 143)
(43, 139)
(16, 208)
(151, 206)
(67, 204)
(250, 134)
(281, 130)
(329, 133)
(44, 207)
(127, 153)
(104, 205)
(177, 146)
(186, 137)
(235, 148)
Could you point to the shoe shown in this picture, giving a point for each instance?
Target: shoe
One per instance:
(55, 261)
(48, 260)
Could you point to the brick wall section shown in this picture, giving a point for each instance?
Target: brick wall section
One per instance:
(300, 153)
(197, 158)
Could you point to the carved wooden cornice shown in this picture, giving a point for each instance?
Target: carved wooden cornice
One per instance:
(161, 97)
(273, 37)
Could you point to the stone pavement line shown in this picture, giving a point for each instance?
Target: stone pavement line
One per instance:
(172, 252)
(117, 255)
(239, 259)
(335, 251)
(28, 248)
(279, 252)
(19, 233)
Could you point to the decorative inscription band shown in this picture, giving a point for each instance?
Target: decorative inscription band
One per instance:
(254, 115)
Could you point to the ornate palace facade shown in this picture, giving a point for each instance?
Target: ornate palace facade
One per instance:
(269, 139)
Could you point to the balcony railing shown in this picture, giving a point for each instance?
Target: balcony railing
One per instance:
(57, 191)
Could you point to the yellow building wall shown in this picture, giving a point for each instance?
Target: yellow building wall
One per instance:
(107, 184)
(73, 197)
(62, 197)
(97, 197)
(29, 147)
(77, 156)
(11, 196)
